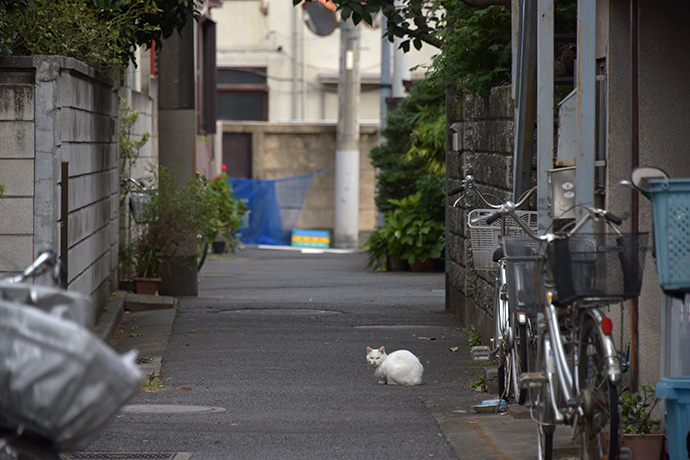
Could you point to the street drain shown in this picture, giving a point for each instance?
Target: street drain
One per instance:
(122, 456)
(283, 312)
(170, 409)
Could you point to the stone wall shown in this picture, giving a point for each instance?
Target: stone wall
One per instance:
(291, 149)
(55, 110)
(484, 148)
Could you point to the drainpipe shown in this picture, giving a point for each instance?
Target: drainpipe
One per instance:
(634, 195)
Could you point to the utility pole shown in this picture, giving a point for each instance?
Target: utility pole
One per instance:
(177, 143)
(346, 221)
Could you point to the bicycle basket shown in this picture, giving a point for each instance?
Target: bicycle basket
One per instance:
(485, 239)
(524, 273)
(598, 265)
(671, 211)
(137, 205)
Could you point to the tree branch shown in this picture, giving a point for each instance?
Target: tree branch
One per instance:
(485, 3)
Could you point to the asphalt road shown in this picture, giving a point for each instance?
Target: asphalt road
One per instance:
(269, 363)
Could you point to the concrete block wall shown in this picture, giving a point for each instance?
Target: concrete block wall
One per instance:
(485, 130)
(54, 110)
(291, 149)
(16, 171)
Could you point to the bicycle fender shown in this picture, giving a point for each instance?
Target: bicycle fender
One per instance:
(613, 366)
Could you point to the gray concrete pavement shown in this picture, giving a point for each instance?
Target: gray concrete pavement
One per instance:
(268, 362)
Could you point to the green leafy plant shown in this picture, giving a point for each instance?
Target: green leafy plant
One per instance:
(410, 159)
(636, 411)
(171, 217)
(478, 384)
(102, 33)
(473, 36)
(226, 211)
(409, 233)
(175, 215)
(130, 146)
(474, 337)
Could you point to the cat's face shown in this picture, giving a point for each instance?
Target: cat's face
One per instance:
(375, 357)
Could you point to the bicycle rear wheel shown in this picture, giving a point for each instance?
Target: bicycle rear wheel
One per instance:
(598, 428)
(540, 399)
(500, 348)
(515, 361)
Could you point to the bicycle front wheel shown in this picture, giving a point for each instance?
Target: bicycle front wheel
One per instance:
(598, 427)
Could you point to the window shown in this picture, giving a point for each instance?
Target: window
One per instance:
(242, 94)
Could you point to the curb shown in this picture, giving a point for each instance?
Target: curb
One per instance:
(138, 322)
(110, 317)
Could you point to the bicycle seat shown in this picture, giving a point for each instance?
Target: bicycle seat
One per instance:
(498, 254)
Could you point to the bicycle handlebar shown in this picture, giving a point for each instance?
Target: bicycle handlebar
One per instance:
(508, 208)
(46, 261)
(468, 184)
(456, 190)
(613, 218)
(493, 217)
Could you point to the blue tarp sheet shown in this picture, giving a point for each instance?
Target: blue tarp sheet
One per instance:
(274, 207)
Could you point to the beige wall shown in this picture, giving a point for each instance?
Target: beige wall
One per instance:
(278, 39)
(664, 61)
(286, 150)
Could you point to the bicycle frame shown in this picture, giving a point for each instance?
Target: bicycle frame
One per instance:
(567, 391)
(505, 335)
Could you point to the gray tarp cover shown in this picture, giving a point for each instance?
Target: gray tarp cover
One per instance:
(57, 378)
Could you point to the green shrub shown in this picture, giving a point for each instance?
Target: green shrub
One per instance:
(636, 413)
(102, 33)
(176, 215)
(403, 169)
(409, 234)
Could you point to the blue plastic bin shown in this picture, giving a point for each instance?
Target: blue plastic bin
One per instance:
(676, 392)
(671, 210)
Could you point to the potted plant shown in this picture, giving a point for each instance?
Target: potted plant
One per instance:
(175, 219)
(640, 429)
(220, 228)
(409, 234)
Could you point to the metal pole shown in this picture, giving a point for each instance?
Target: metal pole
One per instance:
(635, 196)
(545, 142)
(385, 84)
(586, 105)
(346, 219)
(525, 102)
(385, 92)
(64, 215)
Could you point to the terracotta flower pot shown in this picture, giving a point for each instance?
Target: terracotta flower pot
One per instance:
(646, 446)
(422, 266)
(148, 286)
(218, 247)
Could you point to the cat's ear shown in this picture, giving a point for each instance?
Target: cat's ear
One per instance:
(369, 350)
(382, 349)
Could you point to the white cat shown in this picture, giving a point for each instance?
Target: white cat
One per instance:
(399, 368)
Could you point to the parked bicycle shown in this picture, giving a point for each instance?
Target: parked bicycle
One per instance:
(577, 369)
(60, 385)
(510, 341)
